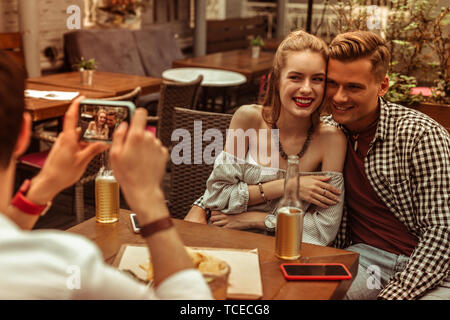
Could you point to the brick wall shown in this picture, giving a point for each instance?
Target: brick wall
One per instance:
(52, 24)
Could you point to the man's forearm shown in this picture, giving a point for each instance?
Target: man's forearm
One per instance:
(171, 257)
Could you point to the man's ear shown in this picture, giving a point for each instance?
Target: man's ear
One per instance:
(23, 139)
(384, 86)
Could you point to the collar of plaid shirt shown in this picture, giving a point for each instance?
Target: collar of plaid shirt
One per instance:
(408, 167)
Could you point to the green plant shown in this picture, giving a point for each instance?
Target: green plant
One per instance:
(400, 87)
(83, 64)
(257, 42)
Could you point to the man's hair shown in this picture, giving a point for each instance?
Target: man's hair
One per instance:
(12, 105)
(296, 41)
(351, 46)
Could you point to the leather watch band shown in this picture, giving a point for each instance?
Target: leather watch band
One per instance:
(156, 226)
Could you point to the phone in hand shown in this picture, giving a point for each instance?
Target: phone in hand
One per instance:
(99, 118)
(315, 271)
(135, 223)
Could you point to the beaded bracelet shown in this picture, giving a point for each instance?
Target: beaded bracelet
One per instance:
(261, 191)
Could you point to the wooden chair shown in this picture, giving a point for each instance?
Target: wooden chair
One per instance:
(172, 95)
(188, 180)
(11, 42)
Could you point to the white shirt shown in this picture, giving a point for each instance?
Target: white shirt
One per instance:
(59, 265)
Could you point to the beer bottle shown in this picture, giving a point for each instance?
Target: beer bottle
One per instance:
(288, 234)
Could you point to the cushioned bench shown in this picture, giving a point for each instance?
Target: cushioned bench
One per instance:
(235, 33)
(146, 52)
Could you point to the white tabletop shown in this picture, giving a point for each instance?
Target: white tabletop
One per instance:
(211, 77)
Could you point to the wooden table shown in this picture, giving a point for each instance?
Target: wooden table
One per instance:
(110, 238)
(108, 82)
(43, 109)
(235, 60)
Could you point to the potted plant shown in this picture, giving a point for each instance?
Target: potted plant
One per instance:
(256, 44)
(86, 68)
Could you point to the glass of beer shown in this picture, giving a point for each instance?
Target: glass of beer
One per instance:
(107, 197)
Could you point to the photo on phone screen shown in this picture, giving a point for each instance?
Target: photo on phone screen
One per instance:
(98, 119)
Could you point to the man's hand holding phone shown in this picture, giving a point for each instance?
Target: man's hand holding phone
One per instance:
(68, 157)
(138, 160)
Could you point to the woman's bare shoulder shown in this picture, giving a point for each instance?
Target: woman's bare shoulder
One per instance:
(247, 116)
(331, 136)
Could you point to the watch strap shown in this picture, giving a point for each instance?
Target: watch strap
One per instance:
(23, 204)
(156, 226)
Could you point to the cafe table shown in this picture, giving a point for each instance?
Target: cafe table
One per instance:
(43, 109)
(215, 82)
(235, 60)
(108, 82)
(111, 237)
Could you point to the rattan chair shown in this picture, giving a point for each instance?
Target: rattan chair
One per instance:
(130, 96)
(188, 180)
(174, 94)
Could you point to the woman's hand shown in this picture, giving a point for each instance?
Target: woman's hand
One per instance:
(197, 215)
(316, 190)
(240, 221)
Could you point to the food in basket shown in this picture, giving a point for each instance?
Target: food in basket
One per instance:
(214, 270)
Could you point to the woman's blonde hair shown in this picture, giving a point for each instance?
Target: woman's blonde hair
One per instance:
(296, 41)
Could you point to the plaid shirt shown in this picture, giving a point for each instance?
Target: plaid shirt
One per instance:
(408, 166)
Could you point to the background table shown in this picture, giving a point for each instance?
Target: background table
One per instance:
(43, 109)
(235, 60)
(110, 237)
(215, 83)
(108, 82)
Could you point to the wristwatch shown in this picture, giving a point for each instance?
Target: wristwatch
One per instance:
(270, 221)
(23, 204)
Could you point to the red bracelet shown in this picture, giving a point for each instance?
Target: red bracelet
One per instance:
(23, 204)
(155, 226)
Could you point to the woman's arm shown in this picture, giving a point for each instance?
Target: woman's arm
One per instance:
(320, 225)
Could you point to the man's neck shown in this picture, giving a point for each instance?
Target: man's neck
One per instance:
(6, 186)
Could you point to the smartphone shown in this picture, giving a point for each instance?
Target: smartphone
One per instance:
(99, 118)
(315, 271)
(135, 223)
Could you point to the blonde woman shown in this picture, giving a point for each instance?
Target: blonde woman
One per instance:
(241, 194)
(98, 128)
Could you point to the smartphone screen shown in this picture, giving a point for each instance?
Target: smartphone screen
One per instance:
(315, 271)
(98, 119)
